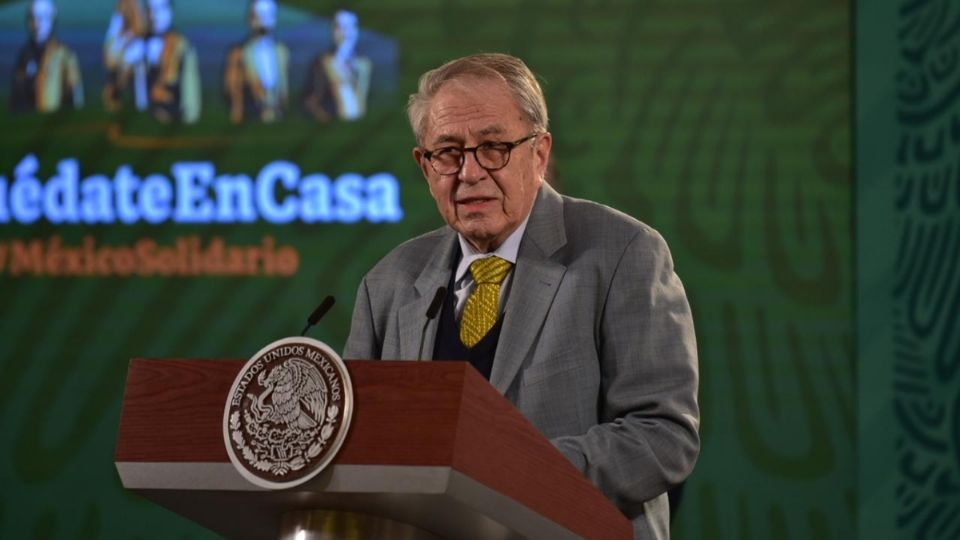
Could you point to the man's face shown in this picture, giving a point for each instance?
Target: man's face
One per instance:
(132, 18)
(161, 15)
(484, 206)
(263, 15)
(345, 29)
(42, 15)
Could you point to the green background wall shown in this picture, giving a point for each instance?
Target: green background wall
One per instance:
(725, 125)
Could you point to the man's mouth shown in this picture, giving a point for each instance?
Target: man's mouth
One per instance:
(474, 202)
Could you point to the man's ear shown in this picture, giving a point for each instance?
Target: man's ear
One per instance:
(422, 162)
(544, 145)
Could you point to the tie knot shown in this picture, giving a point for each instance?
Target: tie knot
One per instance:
(490, 270)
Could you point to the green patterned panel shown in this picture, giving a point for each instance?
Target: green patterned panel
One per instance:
(926, 287)
(908, 201)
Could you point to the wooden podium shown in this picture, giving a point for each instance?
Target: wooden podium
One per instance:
(432, 445)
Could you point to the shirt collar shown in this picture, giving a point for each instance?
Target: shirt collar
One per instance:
(507, 251)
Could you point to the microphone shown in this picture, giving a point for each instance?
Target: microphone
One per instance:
(318, 313)
(432, 311)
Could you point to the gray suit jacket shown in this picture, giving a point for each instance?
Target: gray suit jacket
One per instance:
(597, 347)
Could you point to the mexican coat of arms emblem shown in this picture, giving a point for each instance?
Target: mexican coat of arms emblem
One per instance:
(287, 412)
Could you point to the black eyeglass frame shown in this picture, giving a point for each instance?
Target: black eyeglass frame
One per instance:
(428, 154)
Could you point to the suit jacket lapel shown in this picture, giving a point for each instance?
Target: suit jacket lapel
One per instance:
(412, 315)
(535, 282)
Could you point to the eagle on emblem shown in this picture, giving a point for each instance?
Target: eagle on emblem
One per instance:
(294, 395)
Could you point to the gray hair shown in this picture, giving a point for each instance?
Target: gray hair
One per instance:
(521, 82)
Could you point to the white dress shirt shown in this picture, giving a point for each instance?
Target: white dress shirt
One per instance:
(463, 283)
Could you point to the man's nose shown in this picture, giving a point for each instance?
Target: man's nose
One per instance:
(471, 171)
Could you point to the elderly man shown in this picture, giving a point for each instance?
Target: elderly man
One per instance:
(571, 309)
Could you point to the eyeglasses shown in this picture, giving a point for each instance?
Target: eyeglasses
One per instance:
(491, 155)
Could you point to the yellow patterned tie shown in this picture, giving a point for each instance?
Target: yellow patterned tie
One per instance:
(481, 309)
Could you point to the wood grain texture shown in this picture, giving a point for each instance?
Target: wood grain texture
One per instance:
(406, 413)
(173, 410)
(497, 446)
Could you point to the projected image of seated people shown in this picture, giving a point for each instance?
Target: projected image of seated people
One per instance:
(46, 76)
(255, 78)
(339, 79)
